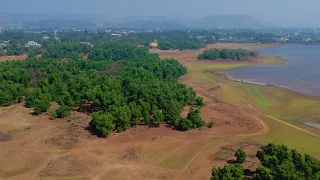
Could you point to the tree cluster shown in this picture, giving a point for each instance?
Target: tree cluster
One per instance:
(122, 86)
(233, 54)
(14, 79)
(278, 162)
(192, 121)
(66, 51)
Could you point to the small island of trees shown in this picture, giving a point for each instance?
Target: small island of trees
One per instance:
(233, 54)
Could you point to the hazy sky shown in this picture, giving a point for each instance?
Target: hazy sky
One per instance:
(286, 12)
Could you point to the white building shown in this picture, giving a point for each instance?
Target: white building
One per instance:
(32, 44)
(46, 37)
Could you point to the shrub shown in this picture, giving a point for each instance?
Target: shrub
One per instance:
(240, 155)
(211, 124)
(199, 101)
(63, 111)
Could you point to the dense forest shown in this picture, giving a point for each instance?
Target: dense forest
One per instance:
(278, 162)
(233, 54)
(122, 86)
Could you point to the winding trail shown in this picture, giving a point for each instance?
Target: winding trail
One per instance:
(194, 157)
(286, 123)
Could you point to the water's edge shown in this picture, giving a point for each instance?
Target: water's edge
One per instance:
(225, 73)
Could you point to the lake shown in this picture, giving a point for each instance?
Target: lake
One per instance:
(301, 74)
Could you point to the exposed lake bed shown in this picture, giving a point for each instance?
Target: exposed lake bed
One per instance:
(312, 124)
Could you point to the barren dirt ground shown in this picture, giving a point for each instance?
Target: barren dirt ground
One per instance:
(9, 58)
(37, 148)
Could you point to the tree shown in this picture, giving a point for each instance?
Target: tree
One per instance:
(41, 104)
(199, 101)
(195, 118)
(172, 111)
(233, 54)
(32, 54)
(158, 117)
(102, 124)
(279, 162)
(240, 155)
(136, 113)
(185, 124)
(228, 172)
(263, 173)
(123, 116)
(63, 111)
(192, 121)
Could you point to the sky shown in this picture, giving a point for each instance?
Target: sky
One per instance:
(278, 12)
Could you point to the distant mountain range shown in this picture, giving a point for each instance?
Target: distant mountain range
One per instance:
(148, 22)
(233, 21)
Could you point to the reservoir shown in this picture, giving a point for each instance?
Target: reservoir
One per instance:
(301, 74)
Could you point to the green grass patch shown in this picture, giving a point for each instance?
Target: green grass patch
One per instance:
(232, 93)
(258, 98)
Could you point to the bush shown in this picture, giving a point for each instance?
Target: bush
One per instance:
(199, 101)
(211, 124)
(63, 111)
(53, 114)
(185, 124)
(240, 155)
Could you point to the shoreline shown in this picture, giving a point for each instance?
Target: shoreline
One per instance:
(278, 62)
(224, 73)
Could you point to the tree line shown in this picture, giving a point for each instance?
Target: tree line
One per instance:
(278, 162)
(233, 54)
(122, 86)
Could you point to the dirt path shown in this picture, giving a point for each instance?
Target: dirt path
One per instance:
(293, 126)
(171, 153)
(285, 123)
(193, 158)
